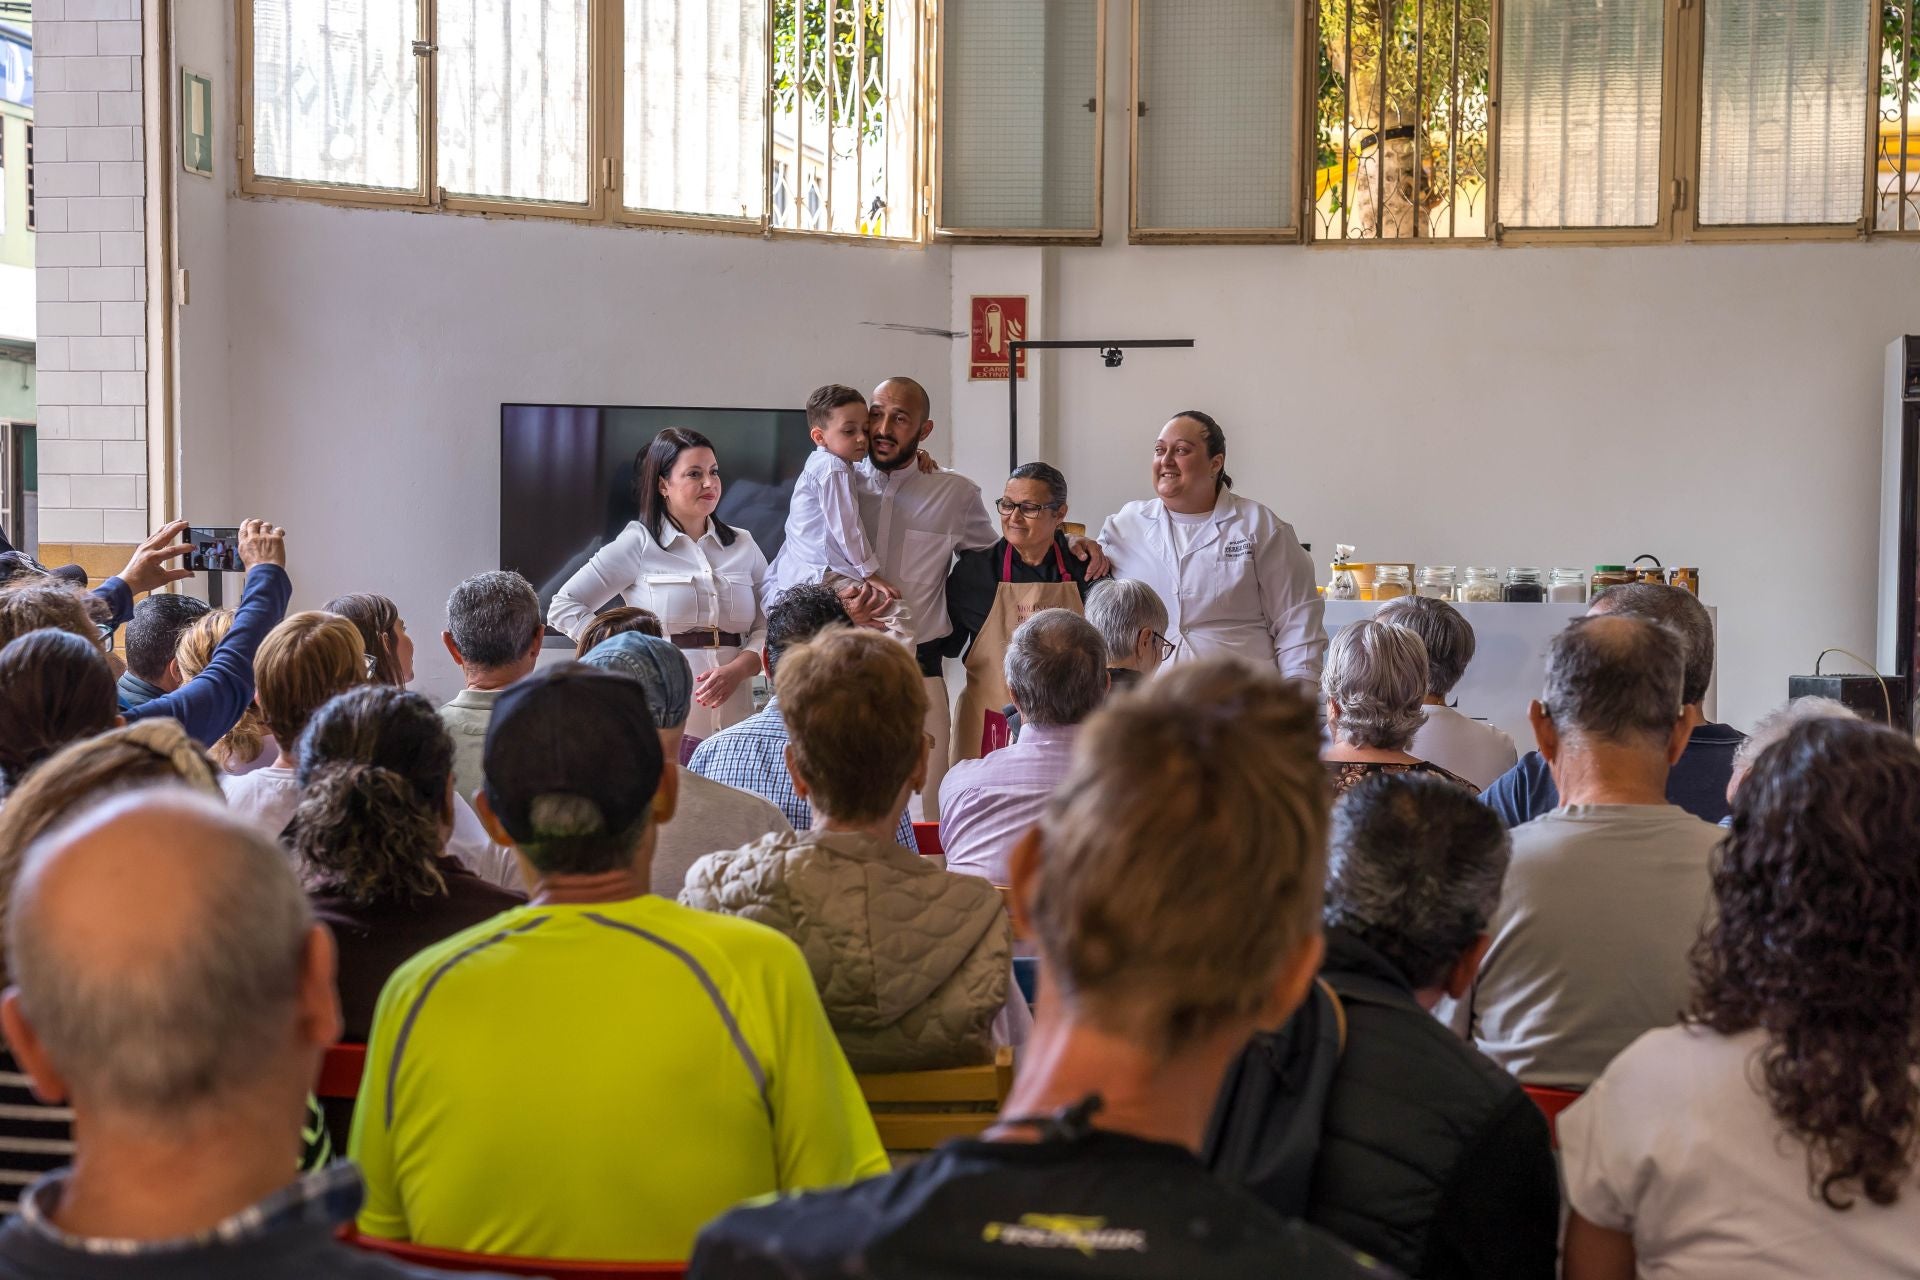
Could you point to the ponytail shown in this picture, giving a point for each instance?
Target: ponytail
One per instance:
(362, 833)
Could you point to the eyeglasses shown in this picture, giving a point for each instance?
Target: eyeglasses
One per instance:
(1163, 645)
(1007, 507)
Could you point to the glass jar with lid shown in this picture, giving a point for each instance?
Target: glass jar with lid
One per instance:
(1436, 582)
(1612, 575)
(1687, 579)
(1481, 585)
(1525, 586)
(1567, 586)
(1391, 581)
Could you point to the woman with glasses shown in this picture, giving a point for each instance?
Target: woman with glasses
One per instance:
(992, 590)
(1233, 574)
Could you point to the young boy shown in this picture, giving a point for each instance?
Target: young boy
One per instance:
(825, 542)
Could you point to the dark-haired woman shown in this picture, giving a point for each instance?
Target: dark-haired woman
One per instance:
(992, 590)
(55, 688)
(376, 808)
(389, 647)
(1235, 579)
(1773, 1133)
(702, 578)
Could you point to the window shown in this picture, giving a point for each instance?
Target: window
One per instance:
(1020, 119)
(1897, 139)
(695, 110)
(1214, 119)
(1401, 155)
(513, 78)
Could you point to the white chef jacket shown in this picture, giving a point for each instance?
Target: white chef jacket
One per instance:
(916, 522)
(1244, 589)
(823, 529)
(692, 586)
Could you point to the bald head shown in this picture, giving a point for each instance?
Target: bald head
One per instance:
(1615, 678)
(159, 948)
(898, 419)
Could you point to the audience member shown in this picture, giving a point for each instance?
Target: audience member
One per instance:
(1056, 669)
(1132, 618)
(152, 636)
(1475, 750)
(494, 632)
(370, 834)
(913, 962)
(618, 620)
(1174, 888)
(695, 1065)
(389, 648)
(752, 755)
(1606, 892)
(1774, 726)
(45, 604)
(1698, 782)
(708, 815)
(55, 688)
(1772, 1133)
(247, 746)
(302, 664)
(1429, 1156)
(171, 986)
(1374, 681)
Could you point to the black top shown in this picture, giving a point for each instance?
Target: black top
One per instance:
(975, 580)
(1105, 1205)
(304, 1251)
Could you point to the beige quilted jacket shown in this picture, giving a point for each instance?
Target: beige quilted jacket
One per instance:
(912, 961)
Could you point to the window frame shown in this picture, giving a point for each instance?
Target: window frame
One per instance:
(934, 114)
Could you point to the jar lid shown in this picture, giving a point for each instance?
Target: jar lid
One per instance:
(1523, 569)
(1609, 568)
(1564, 569)
(1483, 569)
(1436, 568)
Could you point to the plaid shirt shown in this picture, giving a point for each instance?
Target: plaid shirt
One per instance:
(752, 755)
(326, 1198)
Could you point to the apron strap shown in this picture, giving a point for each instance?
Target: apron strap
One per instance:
(1059, 564)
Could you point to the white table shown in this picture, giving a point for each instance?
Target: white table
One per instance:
(1509, 657)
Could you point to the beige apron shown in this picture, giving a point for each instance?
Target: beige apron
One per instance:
(1013, 604)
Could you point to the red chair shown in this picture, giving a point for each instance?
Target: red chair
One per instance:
(994, 734)
(340, 1072)
(926, 838)
(452, 1260)
(1552, 1102)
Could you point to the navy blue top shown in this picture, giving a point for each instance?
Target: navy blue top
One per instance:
(1698, 783)
(211, 703)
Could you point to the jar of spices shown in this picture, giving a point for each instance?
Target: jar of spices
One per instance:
(1391, 581)
(1436, 582)
(1685, 579)
(1567, 586)
(1611, 575)
(1525, 586)
(1482, 585)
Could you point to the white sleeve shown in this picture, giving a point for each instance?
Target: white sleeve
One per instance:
(756, 638)
(978, 529)
(470, 846)
(1296, 616)
(612, 572)
(848, 551)
(1600, 1175)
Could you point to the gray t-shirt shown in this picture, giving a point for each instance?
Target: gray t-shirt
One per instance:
(1600, 906)
(711, 816)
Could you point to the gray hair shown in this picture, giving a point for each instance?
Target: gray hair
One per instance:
(1779, 722)
(1616, 678)
(1443, 629)
(1415, 871)
(1120, 609)
(1681, 612)
(494, 618)
(205, 1005)
(1056, 668)
(1376, 674)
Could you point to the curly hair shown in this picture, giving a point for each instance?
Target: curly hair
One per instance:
(1815, 941)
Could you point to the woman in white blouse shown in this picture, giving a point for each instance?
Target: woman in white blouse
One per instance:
(1773, 1133)
(701, 577)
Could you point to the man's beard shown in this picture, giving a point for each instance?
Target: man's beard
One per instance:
(905, 458)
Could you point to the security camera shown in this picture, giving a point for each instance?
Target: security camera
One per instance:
(1113, 356)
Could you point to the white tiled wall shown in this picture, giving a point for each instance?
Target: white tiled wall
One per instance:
(90, 196)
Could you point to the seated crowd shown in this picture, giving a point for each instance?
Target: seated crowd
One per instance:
(1306, 956)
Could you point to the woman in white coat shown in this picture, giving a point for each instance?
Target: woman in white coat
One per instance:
(701, 577)
(1235, 579)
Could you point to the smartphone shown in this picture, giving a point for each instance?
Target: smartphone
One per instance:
(215, 550)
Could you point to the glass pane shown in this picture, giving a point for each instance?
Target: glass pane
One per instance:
(1581, 85)
(336, 92)
(513, 89)
(1404, 155)
(1216, 142)
(1783, 112)
(696, 107)
(1018, 81)
(1897, 171)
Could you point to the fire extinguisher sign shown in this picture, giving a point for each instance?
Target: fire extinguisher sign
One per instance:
(997, 321)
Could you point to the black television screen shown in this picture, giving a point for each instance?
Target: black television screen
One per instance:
(566, 477)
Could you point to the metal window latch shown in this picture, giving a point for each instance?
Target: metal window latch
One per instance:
(1140, 107)
(422, 48)
(1093, 104)
(1679, 194)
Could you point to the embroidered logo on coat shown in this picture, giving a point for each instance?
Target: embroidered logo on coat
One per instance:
(1089, 1236)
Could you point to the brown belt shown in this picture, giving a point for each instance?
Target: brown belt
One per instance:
(714, 639)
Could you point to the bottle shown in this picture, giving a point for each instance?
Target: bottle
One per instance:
(1525, 586)
(1567, 586)
(1436, 582)
(1391, 581)
(1611, 575)
(1343, 585)
(1685, 579)
(1482, 585)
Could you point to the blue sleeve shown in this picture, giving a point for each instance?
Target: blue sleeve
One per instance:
(1523, 792)
(119, 601)
(213, 701)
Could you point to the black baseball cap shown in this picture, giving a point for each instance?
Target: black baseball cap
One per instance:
(577, 731)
